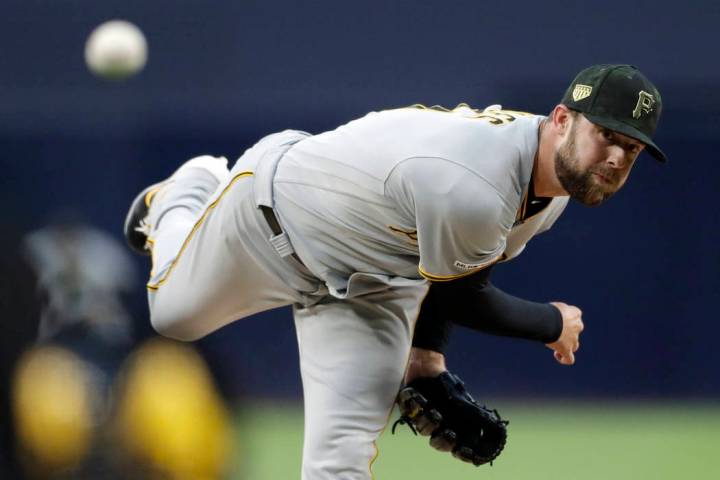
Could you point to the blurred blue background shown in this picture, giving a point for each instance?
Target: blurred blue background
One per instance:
(644, 268)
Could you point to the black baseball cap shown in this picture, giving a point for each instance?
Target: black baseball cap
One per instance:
(618, 97)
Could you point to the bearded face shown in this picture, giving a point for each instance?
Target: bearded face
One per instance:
(586, 182)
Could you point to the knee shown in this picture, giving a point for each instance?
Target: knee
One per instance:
(346, 456)
(175, 325)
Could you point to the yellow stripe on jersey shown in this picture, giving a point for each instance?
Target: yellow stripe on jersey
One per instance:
(209, 209)
(447, 278)
(523, 207)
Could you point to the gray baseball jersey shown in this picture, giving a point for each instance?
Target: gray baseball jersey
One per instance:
(371, 209)
(412, 192)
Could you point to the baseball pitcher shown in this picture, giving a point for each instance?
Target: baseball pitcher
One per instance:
(381, 234)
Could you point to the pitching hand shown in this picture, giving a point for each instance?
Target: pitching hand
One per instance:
(564, 348)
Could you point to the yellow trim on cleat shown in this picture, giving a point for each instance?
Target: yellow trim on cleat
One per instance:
(151, 193)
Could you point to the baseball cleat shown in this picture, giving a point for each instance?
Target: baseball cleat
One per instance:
(138, 226)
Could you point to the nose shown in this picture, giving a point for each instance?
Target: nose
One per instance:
(616, 157)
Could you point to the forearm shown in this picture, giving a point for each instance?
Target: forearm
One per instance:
(433, 326)
(493, 311)
(475, 303)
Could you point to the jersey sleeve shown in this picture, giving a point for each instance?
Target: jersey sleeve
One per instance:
(462, 220)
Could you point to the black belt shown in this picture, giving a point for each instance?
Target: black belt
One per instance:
(274, 225)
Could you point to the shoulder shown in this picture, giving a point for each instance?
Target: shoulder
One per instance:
(445, 180)
(498, 145)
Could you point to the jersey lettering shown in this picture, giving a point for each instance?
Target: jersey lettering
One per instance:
(493, 116)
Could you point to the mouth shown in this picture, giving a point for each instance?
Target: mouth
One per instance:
(604, 178)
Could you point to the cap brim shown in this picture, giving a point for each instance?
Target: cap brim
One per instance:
(631, 132)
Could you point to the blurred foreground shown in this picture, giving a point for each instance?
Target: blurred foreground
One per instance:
(160, 418)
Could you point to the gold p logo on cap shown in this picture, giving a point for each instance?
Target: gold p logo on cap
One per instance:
(645, 104)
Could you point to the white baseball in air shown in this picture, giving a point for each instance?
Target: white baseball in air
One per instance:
(116, 50)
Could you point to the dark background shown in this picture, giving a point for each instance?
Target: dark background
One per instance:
(644, 267)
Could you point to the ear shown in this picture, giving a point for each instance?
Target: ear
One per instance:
(561, 118)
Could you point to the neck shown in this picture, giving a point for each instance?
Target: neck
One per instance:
(544, 178)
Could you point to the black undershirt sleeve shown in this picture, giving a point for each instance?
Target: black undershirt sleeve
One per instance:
(475, 303)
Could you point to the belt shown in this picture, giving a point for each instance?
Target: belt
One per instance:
(275, 227)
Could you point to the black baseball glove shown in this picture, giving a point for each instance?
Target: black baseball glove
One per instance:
(441, 408)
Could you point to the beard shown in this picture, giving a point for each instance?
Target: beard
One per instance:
(579, 184)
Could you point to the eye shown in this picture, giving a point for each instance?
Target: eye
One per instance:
(633, 148)
(606, 134)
